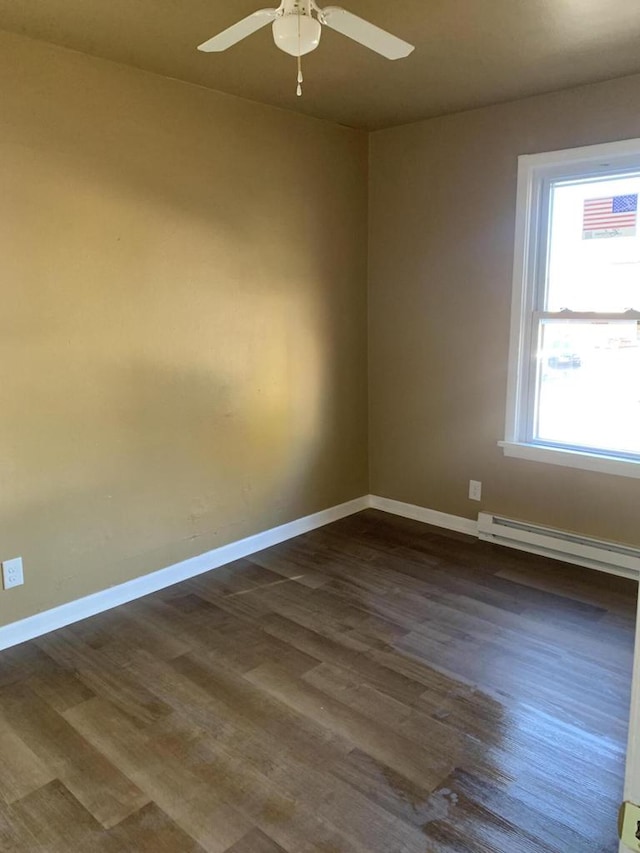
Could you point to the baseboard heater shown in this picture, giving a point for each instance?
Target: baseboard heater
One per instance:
(571, 547)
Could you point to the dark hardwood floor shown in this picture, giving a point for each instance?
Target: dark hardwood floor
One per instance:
(376, 686)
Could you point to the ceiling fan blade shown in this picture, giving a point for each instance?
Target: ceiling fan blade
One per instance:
(365, 33)
(235, 33)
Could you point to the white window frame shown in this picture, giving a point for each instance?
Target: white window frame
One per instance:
(535, 173)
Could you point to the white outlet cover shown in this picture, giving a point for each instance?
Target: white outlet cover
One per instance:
(475, 490)
(12, 573)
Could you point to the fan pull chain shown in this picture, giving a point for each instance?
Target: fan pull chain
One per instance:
(300, 77)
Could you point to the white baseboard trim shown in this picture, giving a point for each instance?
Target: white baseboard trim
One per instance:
(477, 529)
(428, 516)
(98, 602)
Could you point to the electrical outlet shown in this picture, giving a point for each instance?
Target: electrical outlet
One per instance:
(12, 574)
(475, 490)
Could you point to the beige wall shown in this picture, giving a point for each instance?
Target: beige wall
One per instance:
(442, 204)
(182, 323)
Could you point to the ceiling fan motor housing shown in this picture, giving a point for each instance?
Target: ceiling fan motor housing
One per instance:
(296, 32)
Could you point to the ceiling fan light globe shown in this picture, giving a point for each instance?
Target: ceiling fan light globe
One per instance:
(296, 34)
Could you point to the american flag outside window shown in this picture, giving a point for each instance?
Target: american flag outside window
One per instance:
(611, 216)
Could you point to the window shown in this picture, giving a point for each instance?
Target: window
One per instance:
(574, 365)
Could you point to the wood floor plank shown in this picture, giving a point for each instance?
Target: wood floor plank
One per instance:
(299, 805)
(385, 788)
(208, 785)
(163, 773)
(15, 836)
(374, 686)
(60, 689)
(250, 710)
(244, 646)
(102, 788)
(374, 738)
(58, 822)
(309, 796)
(21, 771)
(150, 830)
(290, 566)
(120, 629)
(103, 678)
(339, 652)
(490, 815)
(256, 842)
(567, 585)
(297, 766)
(443, 746)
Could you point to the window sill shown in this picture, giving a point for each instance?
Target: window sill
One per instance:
(572, 458)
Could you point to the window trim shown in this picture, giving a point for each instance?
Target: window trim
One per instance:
(535, 173)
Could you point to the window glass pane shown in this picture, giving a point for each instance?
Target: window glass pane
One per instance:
(594, 249)
(588, 388)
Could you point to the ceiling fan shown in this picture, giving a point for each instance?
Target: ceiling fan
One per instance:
(297, 27)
